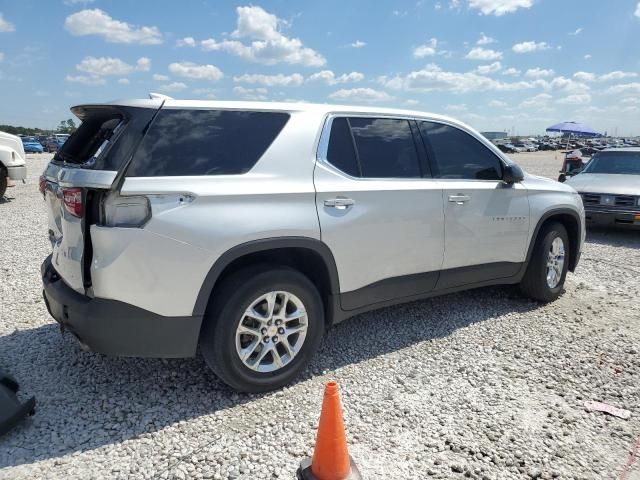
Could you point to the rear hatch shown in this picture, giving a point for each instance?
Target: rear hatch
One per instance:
(85, 168)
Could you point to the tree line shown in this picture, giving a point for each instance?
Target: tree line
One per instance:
(65, 126)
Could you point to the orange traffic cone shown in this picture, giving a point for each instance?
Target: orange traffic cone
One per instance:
(331, 460)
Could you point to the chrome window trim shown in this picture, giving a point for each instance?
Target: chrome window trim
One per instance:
(323, 145)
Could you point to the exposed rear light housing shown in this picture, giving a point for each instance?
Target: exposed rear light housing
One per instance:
(72, 199)
(125, 211)
(42, 184)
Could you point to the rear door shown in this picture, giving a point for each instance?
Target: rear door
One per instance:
(486, 220)
(87, 165)
(380, 212)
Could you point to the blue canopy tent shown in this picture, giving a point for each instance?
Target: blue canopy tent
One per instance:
(573, 129)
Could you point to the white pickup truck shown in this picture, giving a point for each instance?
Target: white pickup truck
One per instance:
(13, 164)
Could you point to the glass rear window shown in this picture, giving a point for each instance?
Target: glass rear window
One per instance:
(205, 142)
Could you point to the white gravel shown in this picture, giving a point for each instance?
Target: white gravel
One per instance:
(481, 384)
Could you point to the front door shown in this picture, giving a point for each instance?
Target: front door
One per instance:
(486, 220)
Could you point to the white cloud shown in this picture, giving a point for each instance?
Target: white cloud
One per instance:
(160, 78)
(491, 68)
(329, 78)
(98, 22)
(426, 50)
(432, 77)
(1, 56)
(637, 12)
(411, 102)
(195, 71)
(587, 56)
(268, 45)
(485, 54)
(538, 72)
(5, 25)
(102, 66)
(498, 103)
(499, 7)
(72, 3)
(358, 44)
(360, 95)
(123, 81)
(563, 84)
(527, 47)
(538, 101)
(633, 87)
(485, 40)
(577, 31)
(511, 71)
(251, 93)
(617, 75)
(280, 80)
(172, 87)
(86, 79)
(458, 107)
(576, 99)
(186, 42)
(584, 76)
(143, 64)
(631, 100)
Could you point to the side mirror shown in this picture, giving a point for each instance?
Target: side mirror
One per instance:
(562, 178)
(512, 173)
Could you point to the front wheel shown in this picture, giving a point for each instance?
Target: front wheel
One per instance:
(3, 181)
(262, 328)
(547, 269)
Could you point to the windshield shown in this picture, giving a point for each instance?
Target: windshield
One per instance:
(623, 163)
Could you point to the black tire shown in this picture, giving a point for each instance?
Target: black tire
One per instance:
(3, 181)
(224, 313)
(534, 283)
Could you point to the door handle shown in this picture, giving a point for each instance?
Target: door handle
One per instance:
(459, 199)
(341, 203)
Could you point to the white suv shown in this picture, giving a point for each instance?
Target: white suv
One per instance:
(249, 228)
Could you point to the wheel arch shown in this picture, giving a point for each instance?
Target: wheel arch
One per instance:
(571, 221)
(310, 256)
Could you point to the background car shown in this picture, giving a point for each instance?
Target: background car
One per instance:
(31, 145)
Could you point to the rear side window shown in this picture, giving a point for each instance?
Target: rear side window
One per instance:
(340, 152)
(385, 148)
(205, 142)
(458, 155)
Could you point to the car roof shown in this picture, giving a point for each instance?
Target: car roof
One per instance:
(321, 108)
(622, 149)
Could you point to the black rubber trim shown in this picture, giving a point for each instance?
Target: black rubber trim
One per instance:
(573, 261)
(341, 314)
(389, 289)
(118, 328)
(461, 276)
(258, 246)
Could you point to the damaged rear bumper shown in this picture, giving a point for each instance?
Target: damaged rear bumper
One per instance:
(117, 328)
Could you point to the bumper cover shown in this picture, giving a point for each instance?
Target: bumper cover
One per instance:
(117, 328)
(621, 218)
(17, 173)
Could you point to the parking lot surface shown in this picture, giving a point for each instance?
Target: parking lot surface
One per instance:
(480, 384)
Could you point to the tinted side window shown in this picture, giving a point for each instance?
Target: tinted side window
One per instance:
(205, 142)
(340, 152)
(459, 155)
(385, 148)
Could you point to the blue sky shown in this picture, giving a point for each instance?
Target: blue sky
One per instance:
(496, 64)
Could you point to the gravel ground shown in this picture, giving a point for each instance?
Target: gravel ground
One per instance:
(482, 384)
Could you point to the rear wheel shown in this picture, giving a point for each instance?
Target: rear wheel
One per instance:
(262, 328)
(547, 269)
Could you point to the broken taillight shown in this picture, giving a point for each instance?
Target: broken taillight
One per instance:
(42, 184)
(72, 198)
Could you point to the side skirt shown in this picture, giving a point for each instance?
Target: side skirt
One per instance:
(410, 288)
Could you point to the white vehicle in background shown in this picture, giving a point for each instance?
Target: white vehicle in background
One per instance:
(13, 163)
